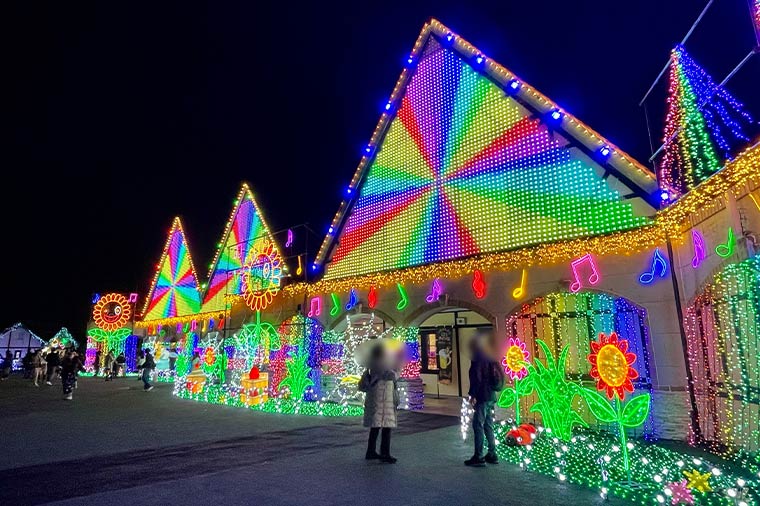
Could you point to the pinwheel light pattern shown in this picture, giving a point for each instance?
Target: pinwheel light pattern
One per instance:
(175, 288)
(465, 169)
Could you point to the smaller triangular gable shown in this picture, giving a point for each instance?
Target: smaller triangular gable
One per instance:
(245, 235)
(468, 160)
(174, 289)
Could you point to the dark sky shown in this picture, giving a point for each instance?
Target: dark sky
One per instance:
(120, 115)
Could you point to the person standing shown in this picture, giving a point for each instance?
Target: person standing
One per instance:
(147, 370)
(71, 365)
(53, 361)
(379, 383)
(6, 365)
(37, 371)
(486, 379)
(108, 365)
(172, 354)
(96, 364)
(27, 363)
(118, 364)
(139, 363)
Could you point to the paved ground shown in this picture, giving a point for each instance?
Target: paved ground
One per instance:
(115, 444)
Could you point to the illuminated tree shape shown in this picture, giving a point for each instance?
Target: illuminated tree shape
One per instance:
(297, 378)
(63, 338)
(245, 235)
(555, 393)
(174, 290)
(258, 339)
(460, 167)
(703, 125)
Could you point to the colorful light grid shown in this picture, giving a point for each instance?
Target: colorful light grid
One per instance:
(703, 125)
(722, 328)
(174, 291)
(464, 169)
(245, 234)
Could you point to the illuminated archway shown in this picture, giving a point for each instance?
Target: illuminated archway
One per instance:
(576, 319)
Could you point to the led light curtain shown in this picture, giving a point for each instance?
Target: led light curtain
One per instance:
(577, 319)
(464, 169)
(175, 289)
(722, 327)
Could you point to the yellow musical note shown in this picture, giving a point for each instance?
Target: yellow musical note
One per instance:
(757, 204)
(519, 292)
(299, 271)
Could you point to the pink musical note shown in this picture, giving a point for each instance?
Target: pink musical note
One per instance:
(592, 279)
(132, 298)
(435, 291)
(289, 242)
(699, 248)
(315, 308)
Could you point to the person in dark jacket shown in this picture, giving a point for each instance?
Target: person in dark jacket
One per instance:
(6, 365)
(53, 361)
(118, 365)
(71, 365)
(147, 369)
(486, 380)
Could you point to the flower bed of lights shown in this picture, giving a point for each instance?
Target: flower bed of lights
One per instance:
(227, 395)
(592, 459)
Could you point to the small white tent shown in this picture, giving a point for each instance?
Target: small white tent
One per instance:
(19, 340)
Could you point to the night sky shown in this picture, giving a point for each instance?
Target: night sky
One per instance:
(121, 115)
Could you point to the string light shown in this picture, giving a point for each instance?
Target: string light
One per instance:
(702, 119)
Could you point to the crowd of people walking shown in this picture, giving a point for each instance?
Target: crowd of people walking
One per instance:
(48, 366)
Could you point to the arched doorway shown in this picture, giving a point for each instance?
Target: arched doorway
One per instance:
(723, 335)
(575, 319)
(444, 348)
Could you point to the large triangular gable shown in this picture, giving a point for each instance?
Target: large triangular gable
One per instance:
(469, 159)
(174, 290)
(246, 233)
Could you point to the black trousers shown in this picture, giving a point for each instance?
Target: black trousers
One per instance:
(385, 441)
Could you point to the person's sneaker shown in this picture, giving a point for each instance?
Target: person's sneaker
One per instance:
(388, 459)
(48, 383)
(372, 456)
(36, 385)
(149, 389)
(491, 458)
(475, 462)
(68, 398)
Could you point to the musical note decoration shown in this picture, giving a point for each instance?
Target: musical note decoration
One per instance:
(372, 297)
(299, 271)
(519, 292)
(336, 304)
(289, 242)
(179, 328)
(315, 307)
(754, 199)
(659, 268)
(699, 248)
(186, 328)
(403, 297)
(95, 298)
(211, 324)
(727, 249)
(194, 325)
(220, 325)
(435, 291)
(352, 300)
(478, 284)
(132, 298)
(593, 279)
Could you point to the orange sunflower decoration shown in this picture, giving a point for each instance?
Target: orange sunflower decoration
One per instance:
(111, 312)
(611, 365)
(261, 277)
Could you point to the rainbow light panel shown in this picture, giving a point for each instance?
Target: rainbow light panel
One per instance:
(703, 125)
(245, 233)
(175, 289)
(723, 338)
(463, 169)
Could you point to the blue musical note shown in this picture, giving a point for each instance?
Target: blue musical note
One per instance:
(659, 267)
(352, 300)
(95, 298)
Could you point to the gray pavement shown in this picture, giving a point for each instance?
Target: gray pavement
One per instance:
(115, 444)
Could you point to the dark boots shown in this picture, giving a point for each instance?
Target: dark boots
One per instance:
(385, 446)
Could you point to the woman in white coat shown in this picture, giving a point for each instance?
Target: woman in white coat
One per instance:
(379, 382)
